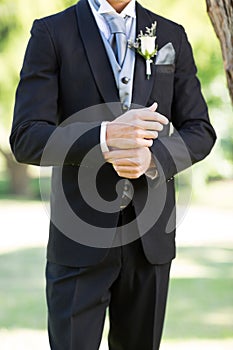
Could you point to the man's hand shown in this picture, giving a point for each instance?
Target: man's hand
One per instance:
(130, 163)
(136, 128)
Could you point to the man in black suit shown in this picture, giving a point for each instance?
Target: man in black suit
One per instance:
(111, 242)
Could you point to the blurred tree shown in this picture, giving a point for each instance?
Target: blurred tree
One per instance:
(9, 25)
(15, 21)
(221, 15)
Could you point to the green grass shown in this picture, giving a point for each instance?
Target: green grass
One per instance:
(202, 307)
(198, 307)
(22, 301)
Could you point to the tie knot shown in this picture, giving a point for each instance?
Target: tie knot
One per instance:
(116, 23)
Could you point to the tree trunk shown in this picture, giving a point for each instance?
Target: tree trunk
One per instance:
(221, 15)
(18, 175)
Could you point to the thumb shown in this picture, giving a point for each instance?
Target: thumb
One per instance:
(153, 107)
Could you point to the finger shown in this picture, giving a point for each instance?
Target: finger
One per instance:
(129, 174)
(133, 142)
(147, 114)
(143, 130)
(128, 128)
(161, 118)
(118, 154)
(140, 114)
(133, 154)
(125, 162)
(148, 125)
(151, 135)
(153, 107)
(140, 133)
(126, 169)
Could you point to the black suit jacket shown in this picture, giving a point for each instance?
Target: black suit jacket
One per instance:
(66, 70)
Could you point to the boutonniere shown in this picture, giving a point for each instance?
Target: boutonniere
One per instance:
(145, 45)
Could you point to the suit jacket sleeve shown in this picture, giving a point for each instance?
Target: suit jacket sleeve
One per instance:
(36, 113)
(193, 137)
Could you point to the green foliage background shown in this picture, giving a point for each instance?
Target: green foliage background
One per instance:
(16, 18)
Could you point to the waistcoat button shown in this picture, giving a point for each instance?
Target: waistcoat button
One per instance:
(125, 80)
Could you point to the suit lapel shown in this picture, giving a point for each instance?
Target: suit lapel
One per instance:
(99, 62)
(142, 86)
(96, 53)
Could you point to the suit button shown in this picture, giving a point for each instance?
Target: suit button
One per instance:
(125, 80)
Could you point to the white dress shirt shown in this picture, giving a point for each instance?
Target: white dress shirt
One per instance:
(130, 11)
(105, 7)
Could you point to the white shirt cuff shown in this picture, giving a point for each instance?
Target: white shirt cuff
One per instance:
(103, 143)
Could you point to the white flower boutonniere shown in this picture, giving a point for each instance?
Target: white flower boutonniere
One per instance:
(146, 47)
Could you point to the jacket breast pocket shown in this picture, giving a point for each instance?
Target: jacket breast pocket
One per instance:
(163, 88)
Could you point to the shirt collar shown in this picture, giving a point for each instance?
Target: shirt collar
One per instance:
(129, 10)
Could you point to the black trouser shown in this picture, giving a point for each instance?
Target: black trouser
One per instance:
(134, 290)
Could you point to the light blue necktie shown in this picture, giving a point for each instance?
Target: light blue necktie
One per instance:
(117, 26)
(118, 38)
